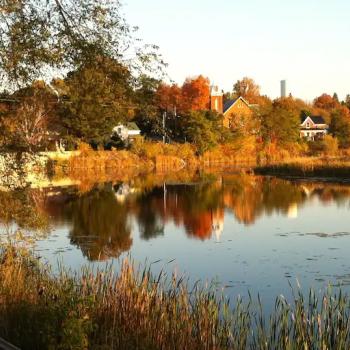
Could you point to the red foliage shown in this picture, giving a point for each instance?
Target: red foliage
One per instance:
(326, 102)
(196, 93)
(193, 95)
(169, 96)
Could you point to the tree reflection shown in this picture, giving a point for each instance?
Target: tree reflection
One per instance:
(24, 208)
(100, 224)
(149, 219)
(101, 220)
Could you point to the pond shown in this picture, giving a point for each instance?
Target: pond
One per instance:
(245, 232)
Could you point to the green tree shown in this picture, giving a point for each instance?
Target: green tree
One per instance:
(99, 96)
(37, 38)
(100, 226)
(335, 97)
(347, 101)
(280, 122)
(147, 112)
(202, 128)
(340, 126)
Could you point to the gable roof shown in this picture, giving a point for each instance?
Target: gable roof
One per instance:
(316, 119)
(230, 103)
(132, 126)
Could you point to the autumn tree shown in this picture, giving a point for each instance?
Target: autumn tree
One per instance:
(326, 102)
(169, 97)
(195, 93)
(248, 89)
(340, 126)
(32, 123)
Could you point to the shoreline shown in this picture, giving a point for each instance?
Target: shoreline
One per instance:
(55, 168)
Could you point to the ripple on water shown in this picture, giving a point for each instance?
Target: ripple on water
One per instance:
(326, 235)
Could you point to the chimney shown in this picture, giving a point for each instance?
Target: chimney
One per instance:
(216, 99)
(283, 89)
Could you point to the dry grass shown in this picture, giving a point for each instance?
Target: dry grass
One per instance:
(326, 167)
(136, 310)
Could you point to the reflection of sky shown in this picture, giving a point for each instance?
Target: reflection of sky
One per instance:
(261, 257)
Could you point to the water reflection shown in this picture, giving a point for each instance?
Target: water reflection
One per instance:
(100, 224)
(101, 220)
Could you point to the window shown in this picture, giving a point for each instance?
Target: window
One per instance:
(216, 104)
(308, 125)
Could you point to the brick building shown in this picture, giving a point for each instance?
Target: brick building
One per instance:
(231, 109)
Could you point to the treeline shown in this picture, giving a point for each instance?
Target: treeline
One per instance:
(89, 102)
(74, 72)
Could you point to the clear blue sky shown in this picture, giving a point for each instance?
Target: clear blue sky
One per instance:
(305, 42)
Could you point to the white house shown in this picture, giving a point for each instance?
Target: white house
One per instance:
(313, 127)
(127, 131)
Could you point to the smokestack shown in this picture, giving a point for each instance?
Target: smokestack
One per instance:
(283, 88)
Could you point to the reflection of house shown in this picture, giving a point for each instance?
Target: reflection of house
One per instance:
(231, 109)
(127, 132)
(313, 127)
(292, 212)
(218, 223)
(123, 191)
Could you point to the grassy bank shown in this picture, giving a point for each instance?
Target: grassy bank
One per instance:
(135, 310)
(336, 168)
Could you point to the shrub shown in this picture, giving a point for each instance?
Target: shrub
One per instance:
(330, 145)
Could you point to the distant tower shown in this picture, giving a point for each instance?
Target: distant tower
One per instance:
(283, 88)
(216, 99)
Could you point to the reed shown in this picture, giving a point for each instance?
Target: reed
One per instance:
(309, 167)
(135, 309)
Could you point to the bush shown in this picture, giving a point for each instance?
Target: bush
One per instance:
(326, 146)
(330, 145)
(152, 150)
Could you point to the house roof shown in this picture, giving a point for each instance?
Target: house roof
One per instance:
(316, 119)
(228, 104)
(132, 126)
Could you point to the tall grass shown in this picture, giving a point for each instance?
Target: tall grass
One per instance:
(137, 310)
(309, 167)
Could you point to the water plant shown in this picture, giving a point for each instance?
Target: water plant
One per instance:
(135, 309)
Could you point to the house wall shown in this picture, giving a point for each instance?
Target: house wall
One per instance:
(313, 134)
(133, 132)
(238, 109)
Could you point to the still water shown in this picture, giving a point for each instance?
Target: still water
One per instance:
(245, 232)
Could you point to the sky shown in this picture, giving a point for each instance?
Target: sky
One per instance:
(305, 42)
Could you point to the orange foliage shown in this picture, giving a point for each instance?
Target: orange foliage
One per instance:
(193, 95)
(196, 93)
(169, 96)
(326, 102)
(200, 225)
(248, 89)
